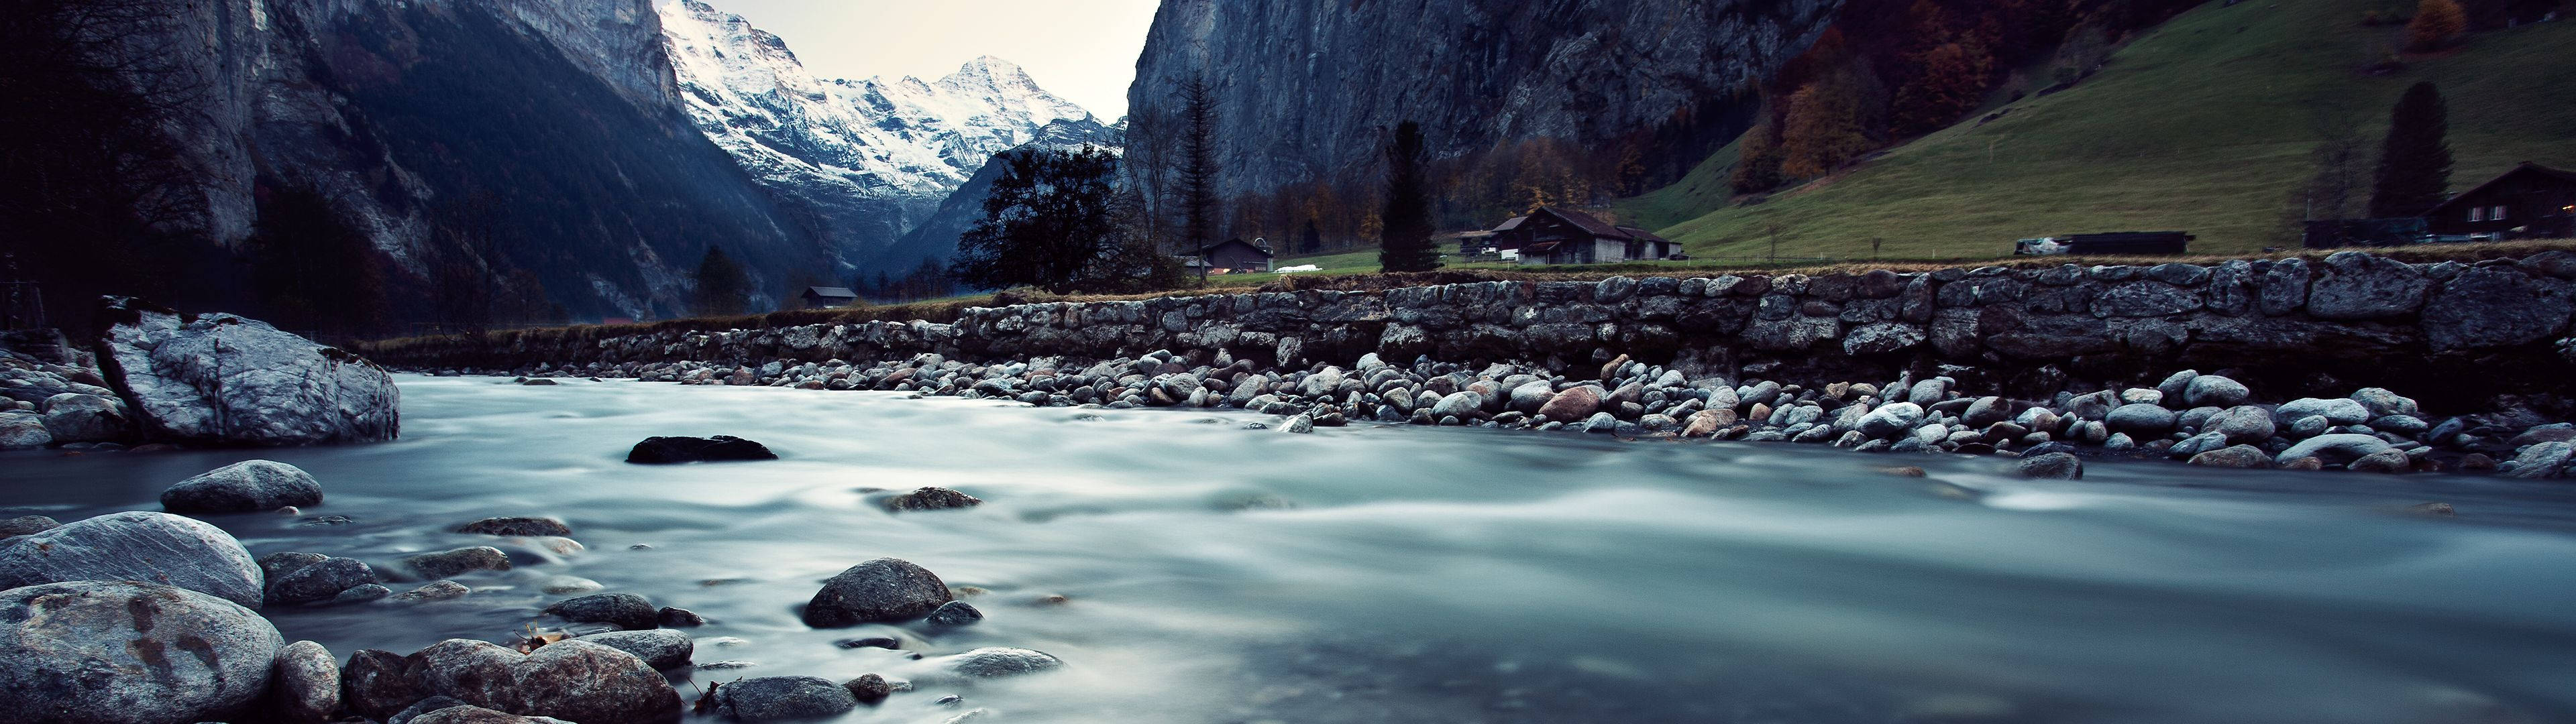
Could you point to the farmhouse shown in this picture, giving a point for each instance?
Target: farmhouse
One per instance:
(2530, 201)
(1236, 255)
(1564, 236)
(827, 297)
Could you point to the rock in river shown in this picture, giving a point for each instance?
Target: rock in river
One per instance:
(304, 688)
(443, 564)
(625, 610)
(248, 486)
(320, 581)
(516, 526)
(136, 546)
(778, 698)
(223, 379)
(930, 498)
(128, 652)
(662, 450)
(881, 590)
(2053, 466)
(573, 680)
(2338, 447)
(1003, 661)
(662, 648)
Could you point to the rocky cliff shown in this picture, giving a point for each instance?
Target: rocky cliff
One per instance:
(1305, 88)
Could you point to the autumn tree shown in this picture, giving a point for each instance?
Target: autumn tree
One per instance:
(1824, 130)
(1757, 161)
(1406, 241)
(2415, 159)
(1951, 80)
(2436, 24)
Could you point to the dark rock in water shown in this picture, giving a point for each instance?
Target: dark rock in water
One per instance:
(516, 527)
(2234, 456)
(661, 450)
(136, 546)
(679, 617)
(625, 610)
(662, 648)
(780, 698)
(479, 715)
(129, 652)
(1002, 661)
(881, 590)
(930, 498)
(248, 486)
(443, 564)
(574, 680)
(2435, 509)
(320, 581)
(188, 379)
(435, 591)
(540, 382)
(432, 704)
(2384, 461)
(276, 565)
(304, 688)
(863, 642)
(2052, 466)
(868, 688)
(375, 684)
(26, 524)
(361, 594)
(955, 613)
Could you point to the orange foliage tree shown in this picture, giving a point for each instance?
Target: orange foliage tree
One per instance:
(1824, 129)
(2436, 24)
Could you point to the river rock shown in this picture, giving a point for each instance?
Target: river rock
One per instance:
(2141, 418)
(248, 486)
(23, 431)
(624, 610)
(1463, 404)
(2052, 466)
(433, 591)
(666, 450)
(2242, 424)
(25, 525)
(2215, 391)
(2542, 460)
(376, 684)
(679, 617)
(2384, 461)
(1002, 661)
(516, 526)
(2337, 411)
(954, 613)
(573, 680)
(662, 648)
(224, 379)
(2357, 285)
(2338, 447)
(882, 590)
(129, 652)
(780, 698)
(930, 498)
(2496, 306)
(361, 594)
(1530, 396)
(304, 687)
(2382, 403)
(470, 714)
(868, 688)
(320, 581)
(136, 546)
(1573, 404)
(1891, 420)
(443, 564)
(75, 417)
(2234, 456)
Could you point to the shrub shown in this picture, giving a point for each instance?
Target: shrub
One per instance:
(2436, 24)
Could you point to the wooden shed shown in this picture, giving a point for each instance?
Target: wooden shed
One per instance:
(2530, 201)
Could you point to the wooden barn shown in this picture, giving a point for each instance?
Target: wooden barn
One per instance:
(1237, 255)
(2530, 201)
(828, 297)
(1563, 236)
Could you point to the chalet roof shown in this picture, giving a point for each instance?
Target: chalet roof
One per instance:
(1511, 223)
(1211, 248)
(2527, 166)
(831, 292)
(1584, 221)
(1641, 234)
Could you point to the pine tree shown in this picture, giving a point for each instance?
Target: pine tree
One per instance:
(721, 285)
(1405, 244)
(2415, 161)
(1198, 165)
(2436, 24)
(1311, 240)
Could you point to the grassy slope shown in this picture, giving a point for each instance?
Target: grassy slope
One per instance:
(2205, 125)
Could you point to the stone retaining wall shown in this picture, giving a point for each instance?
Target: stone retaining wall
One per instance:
(2442, 331)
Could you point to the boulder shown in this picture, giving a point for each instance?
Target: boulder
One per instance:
(662, 648)
(136, 546)
(443, 564)
(2337, 411)
(1530, 396)
(930, 498)
(23, 431)
(26, 525)
(477, 715)
(2496, 306)
(2234, 456)
(2338, 447)
(248, 486)
(433, 591)
(2215, 391)
(516, 526)
(304, 686)
(783, 698)
(1464, 405)
(129, 652)
(573, 680)
(2542, 460)
(881, 590)
(1570, 405)
(667, 450)
(2357, 285)
(954, 613)
(623, 610)
(2052, 466)
(223, 379)
(320, 581)
(2384, 461)
(75, 417)
(997, 661)
(1891, 420)
(2145, 419)
(2242, 424)
(869, 688)
(375, 684)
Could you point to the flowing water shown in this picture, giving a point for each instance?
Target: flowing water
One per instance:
(1404, 574)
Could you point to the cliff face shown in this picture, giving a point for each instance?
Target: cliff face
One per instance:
(1305, 89)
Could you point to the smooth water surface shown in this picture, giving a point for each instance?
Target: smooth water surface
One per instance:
(1406, 574)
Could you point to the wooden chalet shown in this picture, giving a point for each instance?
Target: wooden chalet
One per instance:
(2530, 201)
(1236, 255)
(1564, 236)
(828, 297)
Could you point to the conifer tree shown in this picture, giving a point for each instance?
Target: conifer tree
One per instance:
(2415, 160)
(1405, 244)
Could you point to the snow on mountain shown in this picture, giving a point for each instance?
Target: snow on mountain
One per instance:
(871, 157)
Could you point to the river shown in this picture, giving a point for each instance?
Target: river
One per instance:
(1214, 573)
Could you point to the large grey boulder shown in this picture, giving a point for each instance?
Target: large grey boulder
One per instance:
(128, 652)
(1891, 420)
(320, 581)
(2357, 285)
(2336, 448)
(573, 680)
(881, 590)
(304, 688)
(75, 417)
(783, 698)
(23, 431)
(2243, 424)
(2141, 419)
(2214, 391)
(224, 379)
(2496, 306)
(2339, 410)
(248, 486)
(136, 546)
(470, 714)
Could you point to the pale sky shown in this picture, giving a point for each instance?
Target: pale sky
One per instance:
(1084, 50)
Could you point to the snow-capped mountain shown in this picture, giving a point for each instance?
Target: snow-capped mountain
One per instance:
(871, 158)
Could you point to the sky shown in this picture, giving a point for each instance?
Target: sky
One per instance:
(1083, 50)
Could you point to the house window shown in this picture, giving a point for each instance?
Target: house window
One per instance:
(2477, 213)
(2496, 215)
